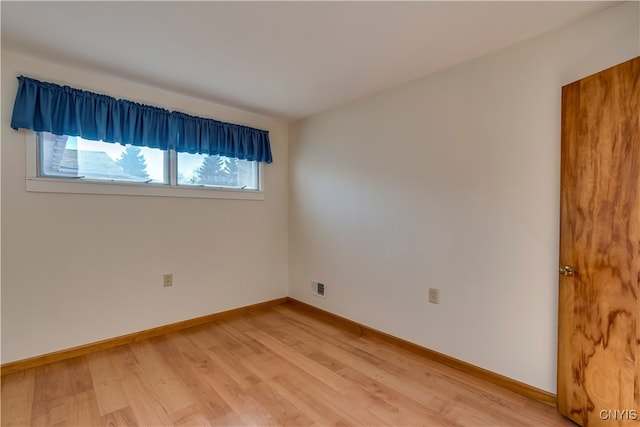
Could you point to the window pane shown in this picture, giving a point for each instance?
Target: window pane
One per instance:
(74, 157)
(217, 171)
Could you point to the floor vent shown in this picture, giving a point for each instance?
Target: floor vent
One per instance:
(318, 289)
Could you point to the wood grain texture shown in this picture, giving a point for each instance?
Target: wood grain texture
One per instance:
(279, 366)
(12, 367)
(599, 307)
(467, 368)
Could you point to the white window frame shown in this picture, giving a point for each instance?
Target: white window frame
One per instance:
(38, 184)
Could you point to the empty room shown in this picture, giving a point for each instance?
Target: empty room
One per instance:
(320, 213)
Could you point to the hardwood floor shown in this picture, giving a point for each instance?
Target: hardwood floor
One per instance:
(278, 366)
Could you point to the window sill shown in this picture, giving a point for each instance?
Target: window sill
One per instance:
(48, 185)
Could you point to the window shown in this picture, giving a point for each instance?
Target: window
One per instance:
(73, 159)
(85, 164)
(77, 158)
(216, 171)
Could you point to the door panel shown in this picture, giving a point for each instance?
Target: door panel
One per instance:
(599, 301)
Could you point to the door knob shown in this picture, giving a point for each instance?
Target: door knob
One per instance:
(567, 270)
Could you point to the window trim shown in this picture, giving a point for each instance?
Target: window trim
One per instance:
(35, 183)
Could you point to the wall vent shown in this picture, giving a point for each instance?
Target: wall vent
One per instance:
(318, 289)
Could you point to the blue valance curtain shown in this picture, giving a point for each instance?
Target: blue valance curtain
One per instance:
(63, 110)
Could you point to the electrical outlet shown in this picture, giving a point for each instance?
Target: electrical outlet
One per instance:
(434, 296)
(167, 280)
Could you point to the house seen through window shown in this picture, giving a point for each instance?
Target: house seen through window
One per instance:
(70, 157)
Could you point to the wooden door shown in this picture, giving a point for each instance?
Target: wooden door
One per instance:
(599, 299)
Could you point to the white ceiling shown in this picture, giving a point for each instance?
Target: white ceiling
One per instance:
(284, 59)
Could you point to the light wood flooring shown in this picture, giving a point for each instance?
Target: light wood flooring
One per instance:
(279, 366)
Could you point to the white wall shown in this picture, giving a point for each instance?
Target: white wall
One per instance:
(81, 268)
(452, 182)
